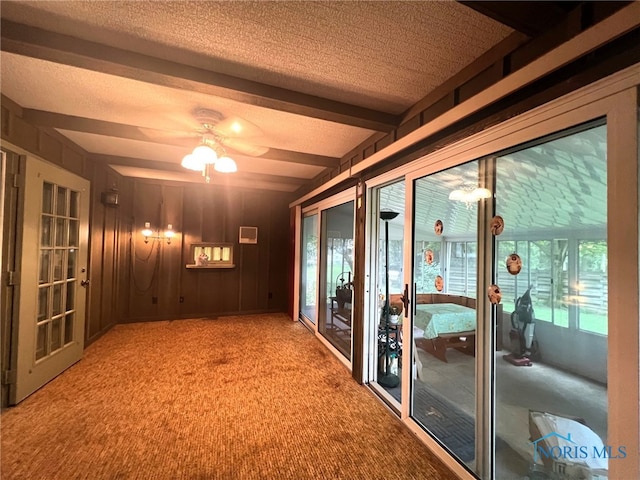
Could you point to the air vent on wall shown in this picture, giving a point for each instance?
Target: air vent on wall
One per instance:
(248, 234)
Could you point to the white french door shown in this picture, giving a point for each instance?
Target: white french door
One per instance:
(52, 280)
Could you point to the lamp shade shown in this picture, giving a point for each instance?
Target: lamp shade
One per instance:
(225, 165)
(190, 162)
(205, 154)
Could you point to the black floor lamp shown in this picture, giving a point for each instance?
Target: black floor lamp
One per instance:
(388, 380)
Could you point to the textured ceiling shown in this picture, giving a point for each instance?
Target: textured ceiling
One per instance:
(382, 57)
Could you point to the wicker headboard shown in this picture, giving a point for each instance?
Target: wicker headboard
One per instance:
(446, 298)
(396, 299)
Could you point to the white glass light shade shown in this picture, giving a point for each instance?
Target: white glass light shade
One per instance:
(205, 154)
(470, 196)
(457, 195)
(169, 233)
(226, 165)
(480, 193)
(192, 163)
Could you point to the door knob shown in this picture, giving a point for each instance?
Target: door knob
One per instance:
(84, 283)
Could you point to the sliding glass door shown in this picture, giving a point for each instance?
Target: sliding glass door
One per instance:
(309, 269)
(388, 285)
(551, 267)
(445, 221)
(509, 325)
(336, 276)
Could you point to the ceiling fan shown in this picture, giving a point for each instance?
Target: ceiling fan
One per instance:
(230, 132)
(217, 135)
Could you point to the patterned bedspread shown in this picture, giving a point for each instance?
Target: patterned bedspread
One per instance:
(440, 318)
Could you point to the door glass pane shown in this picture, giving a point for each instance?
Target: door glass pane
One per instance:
(46, 232)
(61, 201)
(45, 270)
(336, 271)
(71, 263)
(70, 303)
(57, 299)
(550, 377)
(43, 303)
(309, 267)
(61, 232)
(389, 288)
(56, 334)
(445, 222)
(47, 198)
(68, 328)
(74, 201)
(41, 341)
(73, 233)
(58, 259)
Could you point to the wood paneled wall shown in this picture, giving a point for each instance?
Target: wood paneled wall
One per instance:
(106, 262)
(133, 281)
(161, 287)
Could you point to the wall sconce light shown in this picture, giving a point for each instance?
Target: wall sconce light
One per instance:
(167, 235)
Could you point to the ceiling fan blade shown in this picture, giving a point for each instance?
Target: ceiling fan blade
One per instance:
(237, 127)
(245, 148)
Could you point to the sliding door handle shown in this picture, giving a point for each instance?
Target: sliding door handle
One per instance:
(405, 300)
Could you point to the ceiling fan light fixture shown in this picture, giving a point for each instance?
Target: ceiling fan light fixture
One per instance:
(190, 162)
(225, 165)
(205, 154)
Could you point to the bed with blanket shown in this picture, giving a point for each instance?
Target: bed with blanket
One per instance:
(445, 321)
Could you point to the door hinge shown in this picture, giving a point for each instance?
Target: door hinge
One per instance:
(12, 278)
(9, 377)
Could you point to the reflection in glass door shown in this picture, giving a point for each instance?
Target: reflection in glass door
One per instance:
(336, 276)
(444, 309)
(309, 268)
(551, 267)
(389, 312)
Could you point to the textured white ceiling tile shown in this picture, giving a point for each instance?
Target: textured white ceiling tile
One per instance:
(123, 147)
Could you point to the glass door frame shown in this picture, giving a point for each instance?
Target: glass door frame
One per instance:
(370, 310)
(317, 208)
(300, 245)
(614, 98)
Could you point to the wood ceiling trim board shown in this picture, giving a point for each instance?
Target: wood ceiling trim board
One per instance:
(299, 157)
(46, 45)
(262, 177)
(173, 167)
(530, 18)
(135, 162)
(215, 182)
